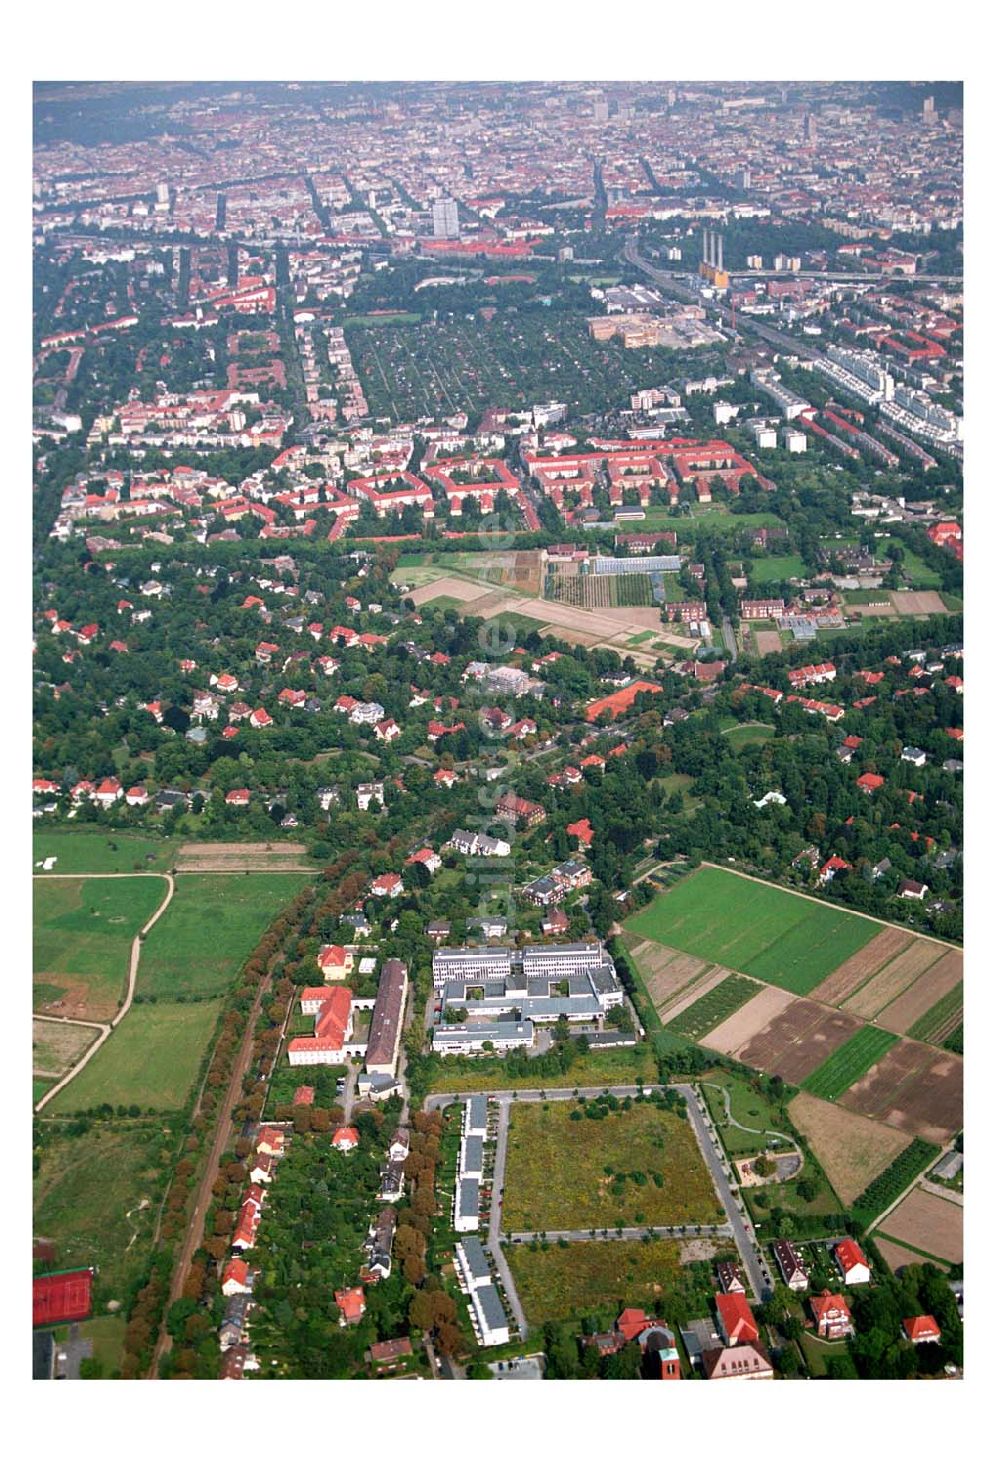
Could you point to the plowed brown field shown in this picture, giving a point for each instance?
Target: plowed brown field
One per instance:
(914, 1087)
(799, 1039)
(930, 1224)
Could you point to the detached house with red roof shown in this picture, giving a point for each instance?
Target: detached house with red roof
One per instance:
(922, 1329)
(345, 1139)
(108, 793)
(351, 1304)
(831, 1315)
(261, 718)
(853, 1266)
(335, 963)
(389, 884)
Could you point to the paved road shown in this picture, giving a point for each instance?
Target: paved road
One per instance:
(133, 970)
(627, 1232)
(711, 1149)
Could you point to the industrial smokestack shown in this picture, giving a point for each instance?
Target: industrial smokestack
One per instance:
(704, 245)
(719, 262)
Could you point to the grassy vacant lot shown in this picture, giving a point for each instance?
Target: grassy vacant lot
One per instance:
(93, 848)
(566, 1171)
(848, 1062)
(759, 930)
(210, 927)
(151, 1060)
(87, 1194)
(615, 1067)
(602, 1276)
(853, 1150)
(714, 1007)
(55, 1045)
(83, 933)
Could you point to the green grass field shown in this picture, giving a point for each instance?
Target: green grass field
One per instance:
(87, 1194)
(714, 1007)
(755, 929)
(558, 1282)
(920, 574)
(777, 567)
(212, 924)
(749, 735)
(151, 1060)
(848, 1062)
(82, 939)
(576, 1175)
(93, 848)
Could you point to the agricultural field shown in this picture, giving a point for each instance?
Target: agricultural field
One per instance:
(568, 1171)
(797, 1040)
(853, 1151)
(861, 966)
(894, 1179)
(213, 923)
(674, 980)
(849, 1061)
(915, 1087)
(704, 1014)
(440, 368)
(241, 856)
(899, 973)
(938, 1025)
(766, 932)
(600, 591)
(56, 1046)
(96, 848)
(928, 1223)
(82, 941)
(152, 1060)
(561, 1281)
(932, 1006)
(97, 1194)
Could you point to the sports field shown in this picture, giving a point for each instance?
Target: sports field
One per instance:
(561, 1281)
(152, 1060)
(849, 1061)
(756, 929)
(210, 927)
(83, 931)
(636, 1166)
